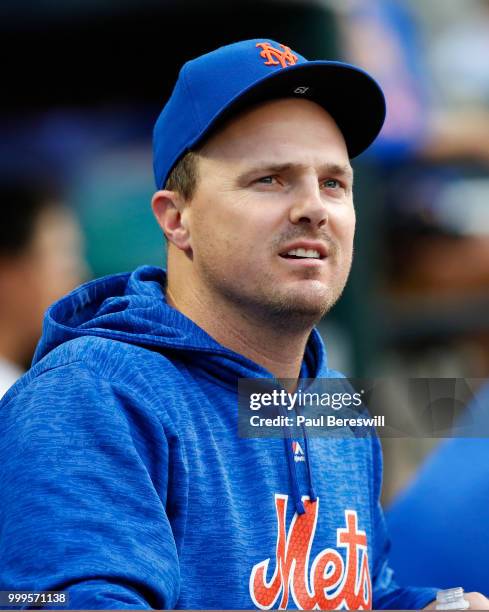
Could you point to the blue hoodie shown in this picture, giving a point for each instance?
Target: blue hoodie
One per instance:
(125, 484)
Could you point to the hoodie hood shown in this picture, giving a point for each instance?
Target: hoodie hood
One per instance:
(132, 308)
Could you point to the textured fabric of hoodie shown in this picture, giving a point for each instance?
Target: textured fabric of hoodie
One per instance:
(124, 483)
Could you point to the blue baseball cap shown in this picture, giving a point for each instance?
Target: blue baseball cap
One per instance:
(215, 86)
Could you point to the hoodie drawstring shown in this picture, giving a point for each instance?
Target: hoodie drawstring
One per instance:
(289, 452)
(312, 493)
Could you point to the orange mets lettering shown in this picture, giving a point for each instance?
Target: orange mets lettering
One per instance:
(331, 583)
(274, 56)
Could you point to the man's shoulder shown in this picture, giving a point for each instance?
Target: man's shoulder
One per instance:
(100, 359)
(103, 355)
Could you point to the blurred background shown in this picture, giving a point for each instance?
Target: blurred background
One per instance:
(83, 82)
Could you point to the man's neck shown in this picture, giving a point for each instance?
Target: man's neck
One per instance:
(276, 348)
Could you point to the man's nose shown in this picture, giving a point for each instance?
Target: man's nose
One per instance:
(309, 206)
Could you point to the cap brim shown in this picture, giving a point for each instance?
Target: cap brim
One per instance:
(351, 97)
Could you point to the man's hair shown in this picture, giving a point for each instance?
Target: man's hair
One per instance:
(22, 204)
(184, 176)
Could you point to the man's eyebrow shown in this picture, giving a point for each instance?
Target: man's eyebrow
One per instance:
(339, 170)
(333, 169)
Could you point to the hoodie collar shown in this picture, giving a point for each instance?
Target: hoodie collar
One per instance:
(132, 308)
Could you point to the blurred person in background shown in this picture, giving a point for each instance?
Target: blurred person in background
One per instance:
(441, 518)
(432, 162)
(434, 150)
(439, 100)
(40, 260)
(433, 60)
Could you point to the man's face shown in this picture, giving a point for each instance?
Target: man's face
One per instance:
(272, 221)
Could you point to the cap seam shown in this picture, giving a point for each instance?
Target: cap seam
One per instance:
(192, 105)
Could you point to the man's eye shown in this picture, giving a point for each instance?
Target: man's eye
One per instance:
(266, 180)
(331, 184)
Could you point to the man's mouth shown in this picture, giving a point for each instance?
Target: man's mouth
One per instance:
(302, 254)
(312, 250)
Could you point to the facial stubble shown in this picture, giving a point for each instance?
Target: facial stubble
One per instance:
(286, 309)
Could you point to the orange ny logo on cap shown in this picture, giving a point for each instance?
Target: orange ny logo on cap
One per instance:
(274, 56)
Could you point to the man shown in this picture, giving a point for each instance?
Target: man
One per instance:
(125, 482)
(40, 261)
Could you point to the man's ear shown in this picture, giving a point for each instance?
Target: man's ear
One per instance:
(169, 210)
